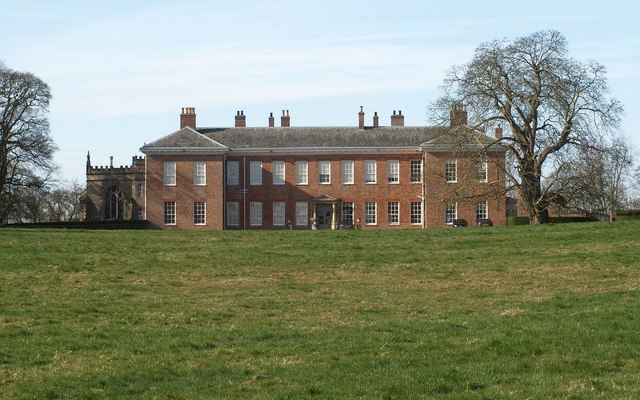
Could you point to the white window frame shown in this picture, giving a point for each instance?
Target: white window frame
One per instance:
(302, 213)
(450, 212)
(199, 212)
(255, 213)
(169, 212)
(279, 215)
(482, 170)
(302, 172)
(233, 213)
(347, 172)
(416, 213)
(169, 174)
(233, 173)
(416, 171)
(482, 210)
(278, 173)
(255, 173)
(393, 172)
(393, 213)
(370, 213)
(370, 173)
(199, 173)
(347, 213)
(324, 172)
(451, 170)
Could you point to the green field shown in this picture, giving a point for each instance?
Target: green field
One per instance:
(546, 312)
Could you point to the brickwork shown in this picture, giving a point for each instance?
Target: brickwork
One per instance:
(185, 193)
(359, 192)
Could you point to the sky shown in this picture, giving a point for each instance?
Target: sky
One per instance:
(120, 71)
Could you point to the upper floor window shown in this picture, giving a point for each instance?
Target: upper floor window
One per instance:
(370, 171)
(139, 190)
(278, 172)
(393, 171)
(199, 173)
(169, 173)
(324, 172)
(302, 173)
(416, 171)
(481, 170)
(233, 173)
(347, 172)
(451, 170)
(255, 173)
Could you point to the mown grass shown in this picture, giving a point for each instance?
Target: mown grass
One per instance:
(517, 312)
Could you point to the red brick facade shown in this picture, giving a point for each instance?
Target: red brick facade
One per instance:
(395, 200)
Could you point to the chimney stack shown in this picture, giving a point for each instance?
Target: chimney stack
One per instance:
(241, 119)
(285, 120)
(499, 131)
(361, 119)
(271, 121)
(397, 119)
(110, 161)
(375, 119)
(458, 115)
(188, 118)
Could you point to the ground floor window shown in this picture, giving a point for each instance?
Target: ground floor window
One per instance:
(302, 214)
(393, 213)
(370, 213)
(278, 213)
(347, 213)
(199, 213)
(450, 212)
(233, 213)
(169, 212)
(481, 210)
(416, 212)
(255, 213)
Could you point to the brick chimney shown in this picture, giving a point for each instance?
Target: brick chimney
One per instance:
(499, 132)
(361, 119)
(397, 119)
(458, 115)
(376, 121)
(271, 121)
(188, 118)
(241, 119)
(285, 120)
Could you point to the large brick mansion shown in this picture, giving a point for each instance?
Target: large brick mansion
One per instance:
(372, 177)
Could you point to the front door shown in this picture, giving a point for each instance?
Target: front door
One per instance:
(325, 216)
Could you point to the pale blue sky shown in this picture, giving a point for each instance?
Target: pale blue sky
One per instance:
(120, 71)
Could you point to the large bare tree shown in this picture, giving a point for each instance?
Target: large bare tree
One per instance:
(26, 149)
(547, 101)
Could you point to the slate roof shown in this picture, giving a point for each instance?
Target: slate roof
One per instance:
(306, 137)
(225, 139)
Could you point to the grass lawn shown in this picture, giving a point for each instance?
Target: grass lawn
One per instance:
(549, 312)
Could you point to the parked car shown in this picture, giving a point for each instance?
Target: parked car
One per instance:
(484, 222)
(460, 223)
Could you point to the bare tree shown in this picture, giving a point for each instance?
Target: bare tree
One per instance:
(26, 149)
(596, 179)
(549, 102)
